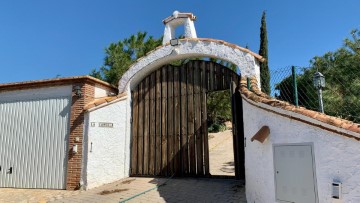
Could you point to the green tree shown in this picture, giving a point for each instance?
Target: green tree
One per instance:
(263, 51)
(341, 68)
(219, 103)
(120, 55)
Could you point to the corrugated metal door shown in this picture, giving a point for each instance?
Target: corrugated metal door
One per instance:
(294, 173)
(33, 142)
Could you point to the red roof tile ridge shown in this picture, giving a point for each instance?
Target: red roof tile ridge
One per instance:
(53, 80)
(103, 101)
(256, 95)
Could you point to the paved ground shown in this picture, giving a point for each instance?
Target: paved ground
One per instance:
(153, 189)
(139, 190)
(164, 190)
(221, 153)
(32, 195)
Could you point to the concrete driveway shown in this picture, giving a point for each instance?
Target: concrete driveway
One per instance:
(139, 190)
(153, 189)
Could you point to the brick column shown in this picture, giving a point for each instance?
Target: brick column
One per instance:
(77, 133)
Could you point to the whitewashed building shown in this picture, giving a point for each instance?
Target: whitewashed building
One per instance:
(83, 141)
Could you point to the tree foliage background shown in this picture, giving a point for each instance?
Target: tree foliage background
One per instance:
(341, 68)
(119, 56)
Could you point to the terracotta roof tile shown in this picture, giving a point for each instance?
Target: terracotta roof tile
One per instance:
(55, 80)
(97, 102)
(109, 99)
(262, 134)
(355, 127)
(256, 95)
(103, 101)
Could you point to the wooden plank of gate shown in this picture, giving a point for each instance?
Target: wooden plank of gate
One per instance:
(141, 130)
(135, 123)
(212, 78)
(170, 120)
(204, 122)
(164, 121)
(240, 135)
(222, 77)
(183, 115)
(158, 123)
(206, 76)
(226, 78)
(146, 128)
(218, 77)
(152, 124)
(234, 127)
(197, 108)
(177, 120)
(190, 89)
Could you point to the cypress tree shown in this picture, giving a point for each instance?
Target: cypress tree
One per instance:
(263, 51)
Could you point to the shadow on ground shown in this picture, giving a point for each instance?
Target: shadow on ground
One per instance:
(202, 190)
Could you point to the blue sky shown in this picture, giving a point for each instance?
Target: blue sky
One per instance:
(42, 39)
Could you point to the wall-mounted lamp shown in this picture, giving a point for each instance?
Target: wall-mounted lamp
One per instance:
(319, 84)
(77, 90)
(174, 42)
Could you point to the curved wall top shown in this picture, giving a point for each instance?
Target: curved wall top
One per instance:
(247, 61)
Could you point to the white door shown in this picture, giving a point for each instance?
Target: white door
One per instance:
(294, 173)
(33, 142)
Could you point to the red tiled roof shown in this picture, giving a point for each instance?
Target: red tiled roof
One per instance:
(259, 97)
(54, 80)
(104, 101)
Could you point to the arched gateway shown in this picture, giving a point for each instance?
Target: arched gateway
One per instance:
(169, 131)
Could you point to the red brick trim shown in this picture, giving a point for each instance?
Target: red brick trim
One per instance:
(77, 131)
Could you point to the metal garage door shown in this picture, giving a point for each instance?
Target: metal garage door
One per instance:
(33, 142)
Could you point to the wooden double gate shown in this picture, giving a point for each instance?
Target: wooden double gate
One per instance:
(169, 119)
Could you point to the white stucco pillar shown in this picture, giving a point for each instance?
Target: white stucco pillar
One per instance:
(175, 20)
(169, 33)
(190, 31)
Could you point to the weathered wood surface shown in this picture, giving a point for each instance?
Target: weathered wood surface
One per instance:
(169, 126)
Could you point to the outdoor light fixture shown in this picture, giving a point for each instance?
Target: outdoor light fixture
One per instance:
(174, 42)
(77, 90)
(319, 83)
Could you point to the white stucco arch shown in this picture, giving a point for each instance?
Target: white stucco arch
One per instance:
(247, 61)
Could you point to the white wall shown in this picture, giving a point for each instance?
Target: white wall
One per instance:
(100, 91)
(107, 150)
(337, 158)
(189, 48)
